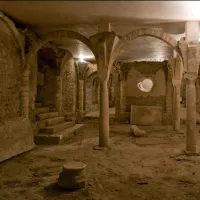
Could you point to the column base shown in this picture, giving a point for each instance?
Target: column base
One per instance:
(101, 148)
(184, 153)
(189, 153)
(178, 131)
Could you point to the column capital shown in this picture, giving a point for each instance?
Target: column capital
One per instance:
(191, 76)
(104, 44)
(176, 82)
(190, 53)
(82, 68)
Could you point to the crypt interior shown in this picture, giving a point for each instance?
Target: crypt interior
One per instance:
(99, 100)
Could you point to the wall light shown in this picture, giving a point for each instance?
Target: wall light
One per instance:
(81, 58)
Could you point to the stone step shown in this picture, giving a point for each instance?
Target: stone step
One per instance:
(51, 121)
(59, 137)
(42, 123)
(41, 110)
(70, 132)
(55, 120)
(47, 115)
(38, 105)
(56, 128)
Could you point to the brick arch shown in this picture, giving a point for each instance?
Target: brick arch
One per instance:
(52, 36)
(145, 32)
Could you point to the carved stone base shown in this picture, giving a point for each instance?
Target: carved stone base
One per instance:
(184, 153)
(101, 148)
(188, 153)
(72, 176)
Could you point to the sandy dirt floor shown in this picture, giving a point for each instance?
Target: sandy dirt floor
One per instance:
(132, 169)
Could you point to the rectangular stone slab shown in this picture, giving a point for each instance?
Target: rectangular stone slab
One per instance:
(146, 115)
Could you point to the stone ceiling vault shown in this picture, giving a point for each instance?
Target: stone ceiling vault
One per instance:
(124, 16)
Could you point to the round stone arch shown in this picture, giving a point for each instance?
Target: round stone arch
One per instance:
(52, 36)
(159, 34)
(31, 54)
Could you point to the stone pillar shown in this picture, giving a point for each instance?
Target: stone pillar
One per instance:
(117, 97)
(198, 94)
(80, 96)
(104, 114)
(192, 30)
(58, 99)
(191, 111)
(123, 87)
(169, 99)
(112, 95)
(190, 52)
(176, 113)
(104, 45)
(24, 96)
(98, 93)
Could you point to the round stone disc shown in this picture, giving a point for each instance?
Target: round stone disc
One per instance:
(74, 165)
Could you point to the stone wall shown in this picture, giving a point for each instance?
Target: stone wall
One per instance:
(116, 84)
(153, 70)
(16, 134)
(69, 90)
(92, 88)
(46, 94)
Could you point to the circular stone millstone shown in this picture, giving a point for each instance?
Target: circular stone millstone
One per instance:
(72, 176)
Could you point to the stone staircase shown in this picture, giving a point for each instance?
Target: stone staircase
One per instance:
(53, 129)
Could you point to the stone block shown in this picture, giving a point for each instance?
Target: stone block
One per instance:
(16, 137)
(136, 131)
(146, 115)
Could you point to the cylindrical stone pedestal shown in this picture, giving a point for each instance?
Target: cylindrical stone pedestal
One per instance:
(72, 176)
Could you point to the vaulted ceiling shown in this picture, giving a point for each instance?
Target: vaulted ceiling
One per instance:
(124, 16)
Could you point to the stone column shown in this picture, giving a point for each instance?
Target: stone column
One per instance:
(104, 114)
(190, 52)
(191, 111)
(80, 96)
(123, 87)
(117, 97)
(169, 100)
(104, 45)
(112, 95)
(98, 93)
(176, 113)
(58, 99)
(24, 96)
(198, 94)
